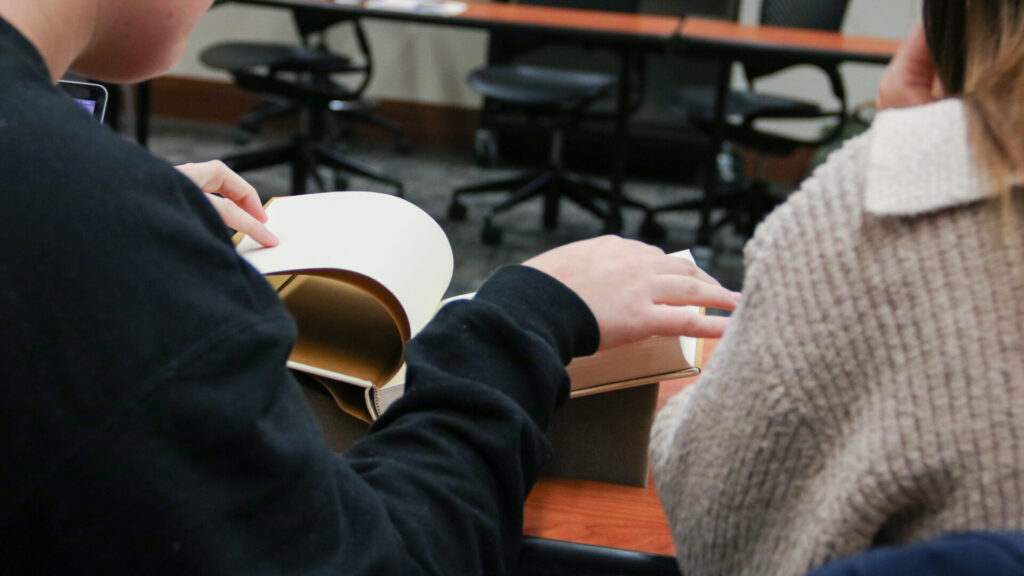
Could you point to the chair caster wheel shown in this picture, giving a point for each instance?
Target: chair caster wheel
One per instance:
(244, 136)
(651, 231)
(456, 211)
(490, 234)
(485, 149)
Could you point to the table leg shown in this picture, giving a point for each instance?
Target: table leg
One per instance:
(142, 110)
(711, 164)
(613, 223)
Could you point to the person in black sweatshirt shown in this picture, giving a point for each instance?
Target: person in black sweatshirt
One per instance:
(148, 423)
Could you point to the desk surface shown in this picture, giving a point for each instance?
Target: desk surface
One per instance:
(696, 35)
(704, 35)
(604, 514)
(606, 27)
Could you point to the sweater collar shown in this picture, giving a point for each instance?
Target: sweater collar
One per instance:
(921, 161)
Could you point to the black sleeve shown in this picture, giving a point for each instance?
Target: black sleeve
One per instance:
(222, 469)
(452, 461)
(150, 425)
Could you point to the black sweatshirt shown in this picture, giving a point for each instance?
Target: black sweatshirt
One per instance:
(148, 423)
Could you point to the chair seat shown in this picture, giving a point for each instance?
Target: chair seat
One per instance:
(697, 104)
(245, 56)
(540, 87)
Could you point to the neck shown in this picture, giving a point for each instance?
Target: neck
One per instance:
(60, 30)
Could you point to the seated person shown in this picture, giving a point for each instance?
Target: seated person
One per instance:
(148, 422)
(870, 389)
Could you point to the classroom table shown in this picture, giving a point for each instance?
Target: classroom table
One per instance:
(627, 34)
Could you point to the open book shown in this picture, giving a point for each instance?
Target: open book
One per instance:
(363, 272)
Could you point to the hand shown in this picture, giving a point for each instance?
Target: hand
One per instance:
(910, 78)
(234, 199)
(637, 291)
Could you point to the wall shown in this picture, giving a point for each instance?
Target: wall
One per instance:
(428, 64)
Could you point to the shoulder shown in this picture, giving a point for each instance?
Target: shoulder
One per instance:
(911, 162)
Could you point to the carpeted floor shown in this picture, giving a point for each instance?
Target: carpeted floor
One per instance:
(430, 175)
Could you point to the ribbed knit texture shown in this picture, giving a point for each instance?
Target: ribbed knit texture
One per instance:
(870, 389)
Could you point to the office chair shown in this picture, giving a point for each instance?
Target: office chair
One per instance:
(302, 79)
(747, 202)
(554, 99)
(543, 557)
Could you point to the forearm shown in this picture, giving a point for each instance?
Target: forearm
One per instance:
(453, 460)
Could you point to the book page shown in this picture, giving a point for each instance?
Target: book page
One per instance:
(381, 237)
(426, 7)
(689, 345)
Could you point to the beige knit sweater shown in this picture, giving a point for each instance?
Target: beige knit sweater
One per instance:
(870, 389)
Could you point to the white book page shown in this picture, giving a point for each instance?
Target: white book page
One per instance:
(686, 344)
(428, 7)
(377, 235)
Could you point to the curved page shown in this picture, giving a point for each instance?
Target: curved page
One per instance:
(376, 238)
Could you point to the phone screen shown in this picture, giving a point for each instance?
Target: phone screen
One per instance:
(92, 97)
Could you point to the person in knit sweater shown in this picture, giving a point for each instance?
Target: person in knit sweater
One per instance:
(870, 388)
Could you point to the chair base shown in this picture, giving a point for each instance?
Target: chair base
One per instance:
(305, 156)
(553, 183)
(744, 207)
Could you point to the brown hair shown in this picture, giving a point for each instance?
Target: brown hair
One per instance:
(978, 50)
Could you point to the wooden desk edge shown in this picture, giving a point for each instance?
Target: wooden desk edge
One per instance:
(602, 514)
(723, 35)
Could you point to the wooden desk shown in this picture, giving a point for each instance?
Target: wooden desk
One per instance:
(624, 33)
(596, 25)
(729, 40)
(601, 514)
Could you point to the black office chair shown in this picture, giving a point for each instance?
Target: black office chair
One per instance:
(304, 80)
(554, 99)
(543, 557)
(747, 202)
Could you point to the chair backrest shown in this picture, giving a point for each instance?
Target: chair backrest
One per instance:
(818, 14)
(313, 27)
(815, 14)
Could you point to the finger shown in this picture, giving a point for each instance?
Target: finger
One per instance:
(214, 177)
(218, 178)
(684, 267)
(238, 190)
(676, 290)
(675, 321)
(236, 218)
